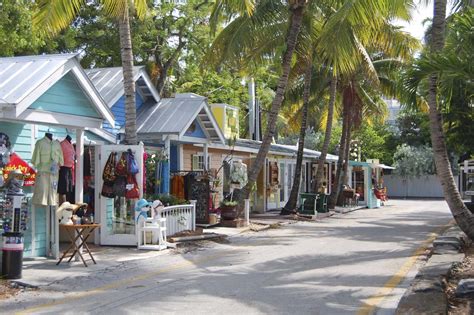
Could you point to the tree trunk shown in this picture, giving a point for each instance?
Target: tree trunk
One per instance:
(292, 201)
(461, 214)
(291, 38)
(128, 83)
(327, 137)
(340, 162)
(345, 168)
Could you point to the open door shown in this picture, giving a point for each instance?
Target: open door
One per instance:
(117, 215)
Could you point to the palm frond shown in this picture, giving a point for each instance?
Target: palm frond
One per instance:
(52, 16)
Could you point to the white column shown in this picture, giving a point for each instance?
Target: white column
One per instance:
(79, 165)
(79, 188)
(206, 154)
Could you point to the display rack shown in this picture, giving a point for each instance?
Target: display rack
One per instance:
(14, 213)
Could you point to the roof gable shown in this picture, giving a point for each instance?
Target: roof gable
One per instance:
(109, 83)
(23, 80)
(174, 116)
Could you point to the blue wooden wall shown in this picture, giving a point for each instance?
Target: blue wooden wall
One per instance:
(66, 96)
(118, 109)
(197, 132)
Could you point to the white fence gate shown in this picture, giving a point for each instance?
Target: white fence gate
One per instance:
(179, 218)
(425, 186)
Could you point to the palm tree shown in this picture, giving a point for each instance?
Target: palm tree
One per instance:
(295, 188)
(54, 16)
(327, 135)
(296, 8)
(461, 214)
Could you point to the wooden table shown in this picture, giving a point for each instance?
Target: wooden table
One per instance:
(78, 234)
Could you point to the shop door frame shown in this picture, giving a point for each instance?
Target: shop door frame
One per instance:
(102, 153)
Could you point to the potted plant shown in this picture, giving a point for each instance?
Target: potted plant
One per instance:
(229, 209)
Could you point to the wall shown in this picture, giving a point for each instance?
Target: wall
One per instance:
(118, 109)
(423, 187)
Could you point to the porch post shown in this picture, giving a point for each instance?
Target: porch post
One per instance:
(166, 168)
(79, 189)
(205, 156)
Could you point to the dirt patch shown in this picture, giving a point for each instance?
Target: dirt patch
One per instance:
(464, 270)
(6, 290)
(198, 231)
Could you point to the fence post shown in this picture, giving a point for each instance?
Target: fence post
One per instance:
(193, 203)
(247, 211)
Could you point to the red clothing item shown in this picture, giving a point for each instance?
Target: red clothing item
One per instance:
(69, 153)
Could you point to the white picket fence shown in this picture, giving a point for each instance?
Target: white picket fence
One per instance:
(179, 218)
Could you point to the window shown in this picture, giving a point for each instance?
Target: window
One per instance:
(198, 162)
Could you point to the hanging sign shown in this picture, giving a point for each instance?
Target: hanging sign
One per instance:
(17, 163)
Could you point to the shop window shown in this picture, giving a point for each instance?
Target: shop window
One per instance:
(198, 162)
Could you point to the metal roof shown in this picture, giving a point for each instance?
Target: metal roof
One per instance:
(282, 149)
(19, 76)
(109, 83)
(175, 115)
(24, 79)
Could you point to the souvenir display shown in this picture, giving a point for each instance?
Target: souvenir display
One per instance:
(238, 174)
(120, 176)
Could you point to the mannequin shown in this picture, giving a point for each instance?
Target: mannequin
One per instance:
(65, 184)
(47, 157)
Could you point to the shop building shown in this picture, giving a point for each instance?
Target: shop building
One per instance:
(42, 96)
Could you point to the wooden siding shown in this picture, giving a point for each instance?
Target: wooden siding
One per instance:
(118, 109)
(66, 96)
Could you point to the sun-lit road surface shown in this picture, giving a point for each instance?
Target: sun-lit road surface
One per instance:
(358, 262)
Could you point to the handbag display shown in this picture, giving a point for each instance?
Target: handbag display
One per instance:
(133, 192)
(121, 168)
(109, 170)
(132, 163)
(120, 186)
(108, 190)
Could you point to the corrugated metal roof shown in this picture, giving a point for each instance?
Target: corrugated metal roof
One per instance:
(174, 116)
(19, 76)
(282, 148)
(169, 115)
(109, 83)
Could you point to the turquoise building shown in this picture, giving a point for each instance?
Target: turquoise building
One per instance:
(49, 93)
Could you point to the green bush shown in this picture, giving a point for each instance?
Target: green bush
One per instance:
(168, 200)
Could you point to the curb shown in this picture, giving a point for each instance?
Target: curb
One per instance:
(426, 293)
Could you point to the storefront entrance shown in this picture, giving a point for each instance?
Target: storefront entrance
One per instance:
(117, 214)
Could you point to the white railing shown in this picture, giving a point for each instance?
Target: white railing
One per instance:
(179, 218)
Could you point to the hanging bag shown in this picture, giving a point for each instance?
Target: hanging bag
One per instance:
(120, 186)
(109, 170)
(121, 168)
(132, 188)
(132, 163)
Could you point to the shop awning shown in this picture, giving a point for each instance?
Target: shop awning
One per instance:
(30, 86)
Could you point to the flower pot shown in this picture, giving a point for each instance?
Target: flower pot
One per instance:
(229, 212)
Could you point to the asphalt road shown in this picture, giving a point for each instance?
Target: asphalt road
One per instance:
(354, 263)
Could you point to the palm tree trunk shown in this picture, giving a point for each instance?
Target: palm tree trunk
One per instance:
(291, 38)
(345, 168)
(128, 83)
(327, 136)
(291, 203)
(461, 214)
(340, 162)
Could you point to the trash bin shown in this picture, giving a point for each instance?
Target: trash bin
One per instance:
(12, 255)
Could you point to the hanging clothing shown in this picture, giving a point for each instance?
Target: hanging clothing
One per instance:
(69, 154)
(44, 192)
(47, 158)
(87, 162)
(238, 173)
(177, 186)
(47, 155)
(65, 183)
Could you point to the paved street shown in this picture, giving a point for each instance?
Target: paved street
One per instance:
(358, 262)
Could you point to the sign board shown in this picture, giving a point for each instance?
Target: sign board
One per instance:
(17, 163)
